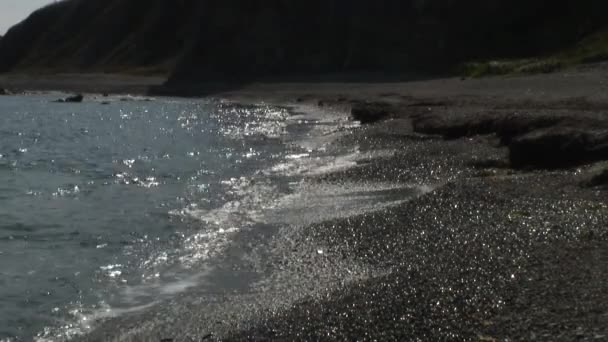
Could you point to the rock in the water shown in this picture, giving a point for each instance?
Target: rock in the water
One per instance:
(72, 99)
(558, 148)
(4, 92)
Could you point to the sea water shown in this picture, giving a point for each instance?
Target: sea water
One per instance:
(117, 203)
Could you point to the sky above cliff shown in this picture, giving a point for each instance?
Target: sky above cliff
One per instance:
(13, 11)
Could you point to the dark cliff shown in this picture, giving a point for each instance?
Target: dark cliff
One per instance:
(236, 39)
(239, 38)
(85, 35)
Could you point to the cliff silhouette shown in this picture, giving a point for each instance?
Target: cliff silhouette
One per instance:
(239, 39)
(99, 35)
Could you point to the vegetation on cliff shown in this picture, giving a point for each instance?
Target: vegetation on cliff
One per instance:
(593, 48)
(231, 39)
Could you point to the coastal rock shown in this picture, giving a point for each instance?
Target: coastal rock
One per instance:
(505, 125)
(4, 92)
(454, 127)
(71, 99)
(600, 179)
(558, 148)
(544, 140)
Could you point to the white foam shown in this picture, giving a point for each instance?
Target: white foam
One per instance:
(203, 246)
(308, 165)
(84, 321)
(137, 296)
(133, 299)
(250, 196)
(312, 202)
(307, 112)
(298, 156)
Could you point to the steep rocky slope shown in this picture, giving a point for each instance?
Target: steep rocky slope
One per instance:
(278, 37)
(228, 39)
(84, 35)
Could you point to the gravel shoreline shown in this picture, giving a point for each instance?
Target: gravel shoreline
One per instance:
(490, 255)
(505, 248)
(511, 246)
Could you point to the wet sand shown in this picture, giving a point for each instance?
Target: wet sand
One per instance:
(501, 249)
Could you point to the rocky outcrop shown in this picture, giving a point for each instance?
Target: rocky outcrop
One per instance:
(558, 147)
(600, 179)
(542, 137)
(71, 99)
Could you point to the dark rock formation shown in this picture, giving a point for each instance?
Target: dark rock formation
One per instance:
(4, 92)
(71, 99)
(537, 139)
(240, 40)
(600, 179)
(558, 147)
(368, 113)
(505, 125)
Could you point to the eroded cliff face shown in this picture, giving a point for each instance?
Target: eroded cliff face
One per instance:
(236, 39)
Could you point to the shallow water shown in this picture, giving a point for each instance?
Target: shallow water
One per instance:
(110, 208)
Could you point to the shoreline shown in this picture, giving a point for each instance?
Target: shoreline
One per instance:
(80, 83)
(585, 81)
(512, 244)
